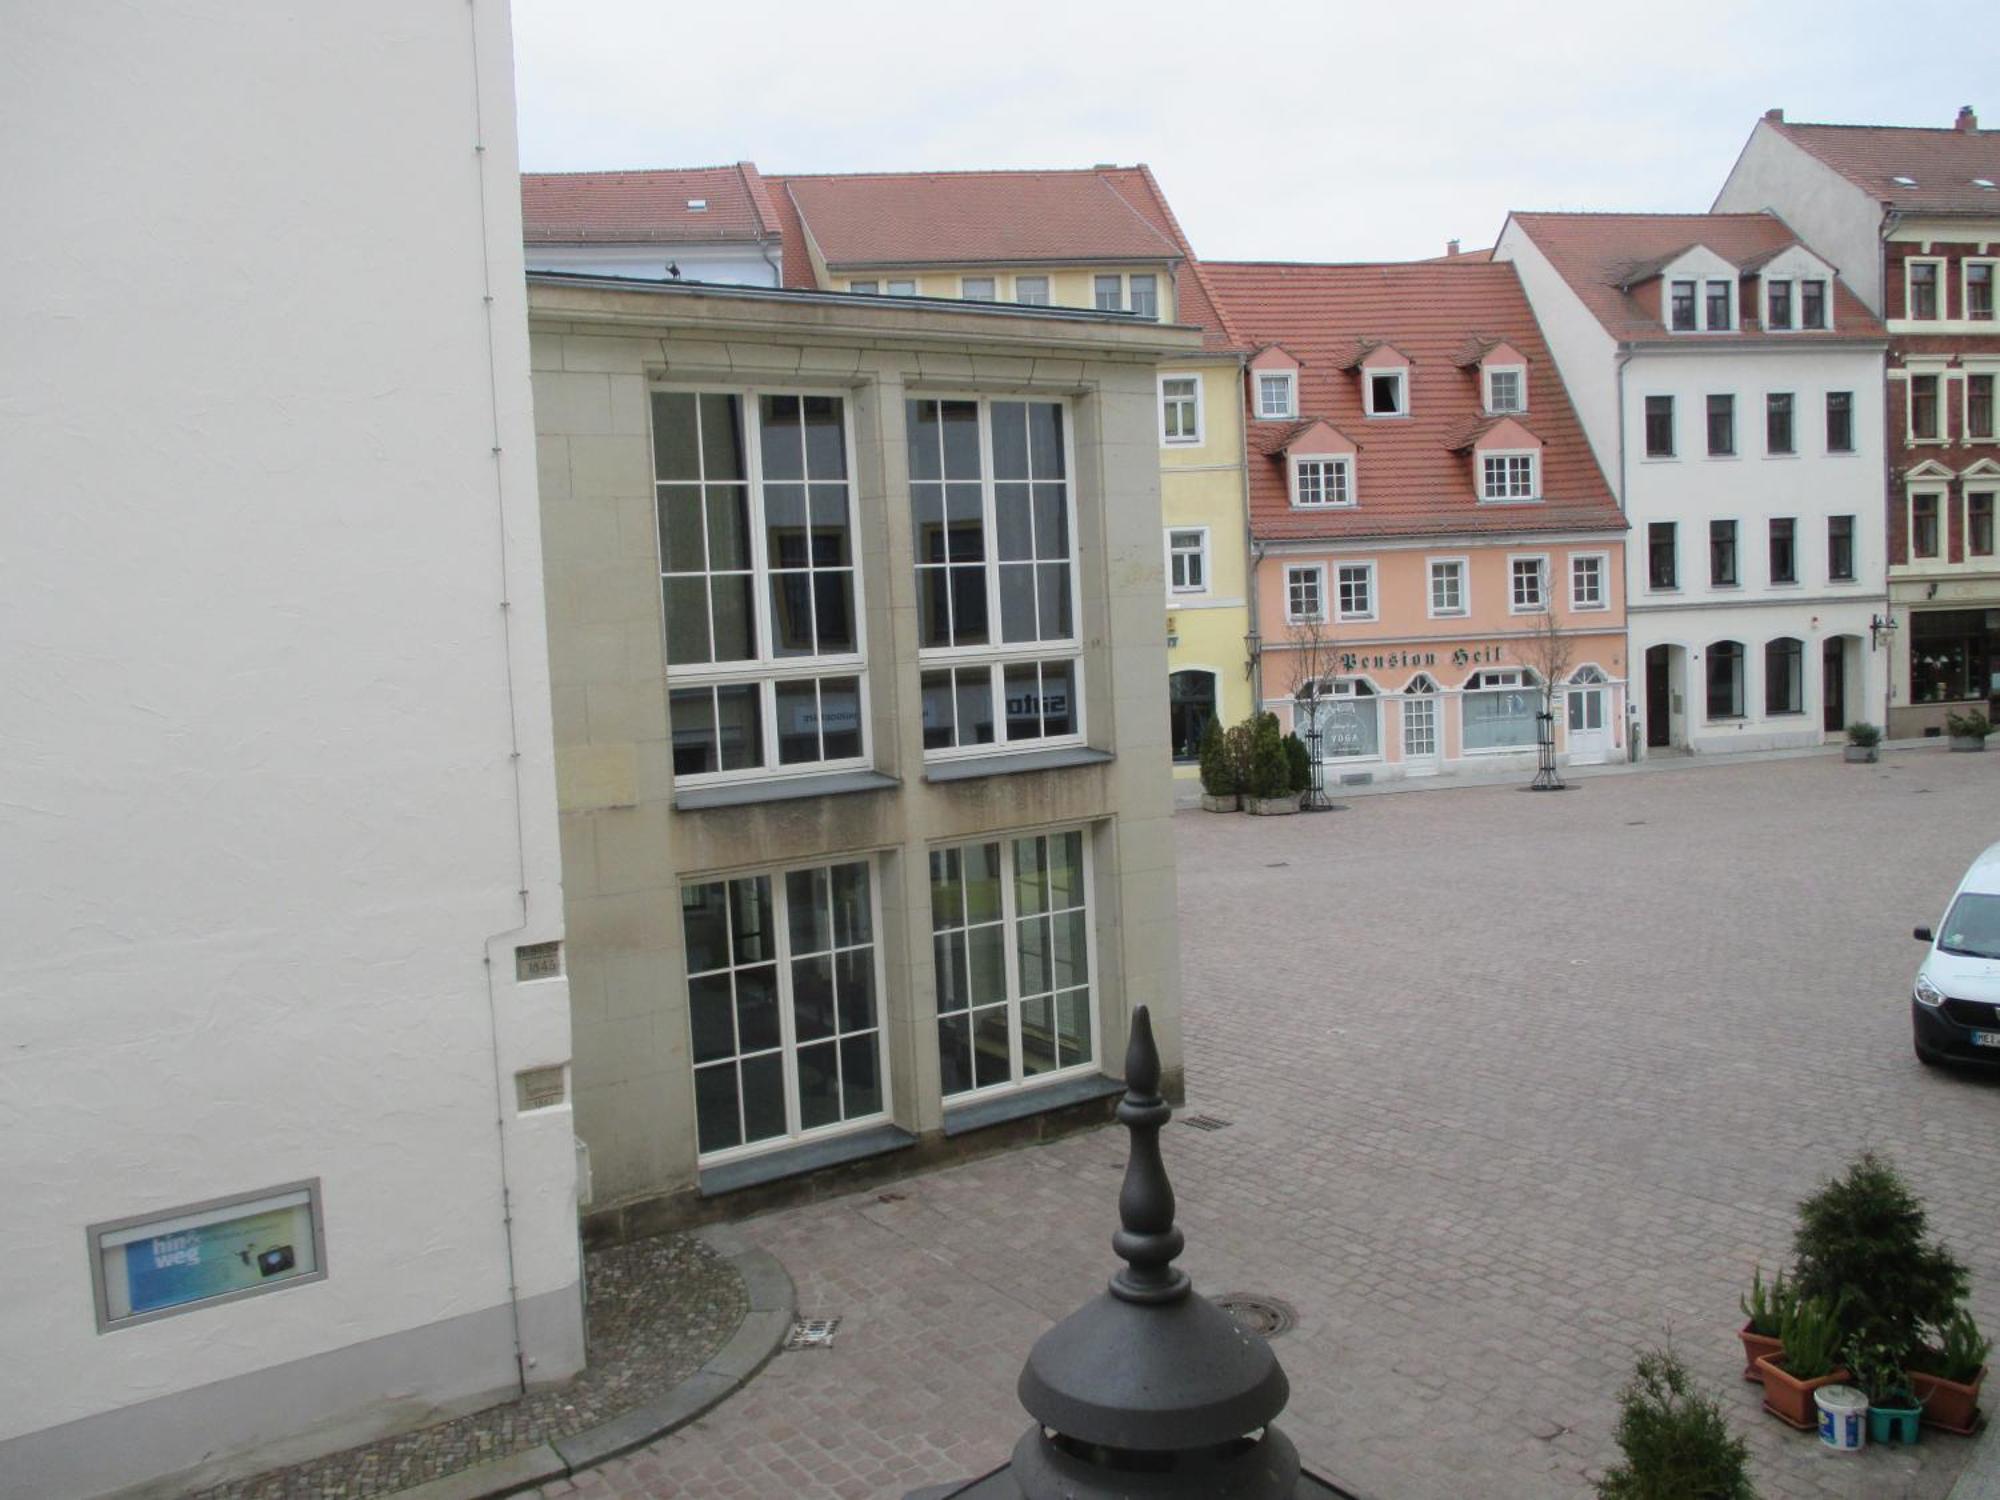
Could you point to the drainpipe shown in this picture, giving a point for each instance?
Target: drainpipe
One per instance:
(1624, 358)
(1254, 669)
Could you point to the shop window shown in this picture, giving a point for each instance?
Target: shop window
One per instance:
(1346, 713)
(1953, 656)
(1784, 676)
(1498, 709)
(1725, 680)
(1190, 710)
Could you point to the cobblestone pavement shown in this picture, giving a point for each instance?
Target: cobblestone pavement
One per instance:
(658, 1309)
(1516, 1084)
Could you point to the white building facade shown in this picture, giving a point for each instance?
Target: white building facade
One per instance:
(287, 1148)
(1732, 390)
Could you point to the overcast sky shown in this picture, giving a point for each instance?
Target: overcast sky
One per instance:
(1279, 131)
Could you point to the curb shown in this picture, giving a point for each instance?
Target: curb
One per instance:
(773, 1301)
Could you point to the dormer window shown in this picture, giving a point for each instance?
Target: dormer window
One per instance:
(1509, 476)
(1720, 295)
(1388, 392)
(1812, 304)
(1683, 315)
(1778, 306)
(1506, 388)
(1277, 394)
(1318, 483)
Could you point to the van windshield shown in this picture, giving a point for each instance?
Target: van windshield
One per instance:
(1972, 927)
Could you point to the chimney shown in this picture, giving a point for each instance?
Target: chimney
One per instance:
(1451, 247)
(1775, 116)
(1966, 120)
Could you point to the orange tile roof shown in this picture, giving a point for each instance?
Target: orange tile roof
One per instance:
(1941, 163)
(1604, 256)
(647, 207)
(1408, 480)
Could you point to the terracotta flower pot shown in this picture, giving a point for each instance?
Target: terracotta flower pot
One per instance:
(1755, 1347)
(1789, 1400)
(1948, 1406)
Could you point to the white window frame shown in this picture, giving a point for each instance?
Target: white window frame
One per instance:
(1965, 265)
(1463, 565)
(1041, 301)
(865, 288)
(1493, 680)
(1340, 465)
(998, 655)
(1296, 573)
(787, 1018)
(1366, 568)
(992, 282)
(1400, 374)
(1577, 603)
(899, 286)
(767, 670)
(1936, 492)
(1508, 455)
(1942, 285)
(1167, 440)
(1097, 288)
(1291, 384)
(1154, 278)
(1010, 918)
(1964, 383)
(1199, 552)
(1988, 485)
(1514, 605)
(1520, 374)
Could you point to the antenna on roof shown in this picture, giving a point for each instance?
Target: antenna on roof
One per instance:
(673, 270)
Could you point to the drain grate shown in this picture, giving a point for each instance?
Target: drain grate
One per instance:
(812, 1333)
(1266, 1317)
(1204, 1122)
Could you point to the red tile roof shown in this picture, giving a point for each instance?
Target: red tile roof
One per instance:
(1604, 257)
(649, 207)
(1940, 163)
(1409, 481)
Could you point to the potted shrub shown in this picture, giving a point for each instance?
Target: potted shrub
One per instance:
(1299, 760)
(1968, 731)
(1946, 1372)
(1220, 790)
(1764, 1312)
(1861, 1246)
(1675, 1439)
(1268, 788)
(1861, 742)
(1893, 1411)
(1812, 1339)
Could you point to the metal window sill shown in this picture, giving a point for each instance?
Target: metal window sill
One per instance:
(974, 767)
(1020, 1104)
(786, 789)
(797, 1160)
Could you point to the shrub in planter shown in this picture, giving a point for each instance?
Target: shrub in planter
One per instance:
(1812, 1337)
(1764, 1312)
(1861, 1243)
(1946, 1371)
(1299, 760)
(1861, 742)
(1675, 1439)
(1269, 784)
(1968, 731)
(1892, 1408)
(1219, 786)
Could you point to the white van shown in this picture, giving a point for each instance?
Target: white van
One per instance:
(1955, 1003)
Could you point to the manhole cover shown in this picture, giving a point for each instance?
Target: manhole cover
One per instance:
(1204, 1122)
(812, 1333)
(1266, 1317)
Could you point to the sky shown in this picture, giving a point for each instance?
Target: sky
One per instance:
(1279, 131)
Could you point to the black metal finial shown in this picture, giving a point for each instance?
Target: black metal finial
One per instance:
(1147, 1240)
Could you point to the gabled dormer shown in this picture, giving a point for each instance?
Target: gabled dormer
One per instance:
(1384, 372)
(1274, 384)
(1320, 464)
(1793, 291)
(1502, 372)
(1693, 290)
(1505, 459)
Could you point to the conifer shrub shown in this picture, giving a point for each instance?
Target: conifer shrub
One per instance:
(1299, 759)
(1218, 772)
(1861, 1246)
(1676, 1441)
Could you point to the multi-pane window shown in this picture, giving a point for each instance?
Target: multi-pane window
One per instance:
(1508, 476)
(992, 510)
(1682, 315)
(1784, 676)
(1274, 394)
(1305, 593)
(1840, 549)
(1010, 940)
(1722, 554)
(1784, 551)
(1924, 406)
(875, 288)
(977, 289)
(1725, 680)
(1840, 421)
(1979, 523)
(1922, 285)
(1498, 708)
(1721, 426)
(1586, 580)
(1321, 481)
(1031, 291)
(1187, 561)
(1528, 576)
(1504, 392)
(1180, 408)
(1108, 293)
(1779, 297)
(1979, 406)
(1354, 591)
(1146, 296)
(1662, 555)
(1191, 700)
(783, 1013)
(758, 581)
(1659, 427)
(1447, 586)
(1778, 423)
(1812, 304)
(1924, 512)
(1720, 294)
(1340, 719)
(1979, 290)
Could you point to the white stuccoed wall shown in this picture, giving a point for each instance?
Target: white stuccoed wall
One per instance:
(260, 829)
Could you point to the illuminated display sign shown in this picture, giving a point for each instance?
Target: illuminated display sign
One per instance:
(209, 1252)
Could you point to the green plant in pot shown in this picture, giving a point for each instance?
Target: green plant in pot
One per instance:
(1298, 760)
(1812, 1336)
(1765, 1309)
(1862, 1244)
(1947, 1368)
(1893, 1409)
(1968, 731)
(1270, 780)
(1861, 742)
(1220, 788)
(1675, 1440)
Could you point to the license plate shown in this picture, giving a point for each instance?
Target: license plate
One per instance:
(1986, 1038)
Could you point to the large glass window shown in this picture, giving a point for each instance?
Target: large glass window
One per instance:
(994, 525)
(1725, 680)
(1347, 714)
(1190, 710)
(783, 1013)
(1784, 676)
(1498, 708)
(1010, 939)
(758, 580)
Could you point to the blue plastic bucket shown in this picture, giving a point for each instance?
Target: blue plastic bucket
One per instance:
(1843, 1417)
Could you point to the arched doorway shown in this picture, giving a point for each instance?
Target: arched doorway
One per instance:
(1666, 697)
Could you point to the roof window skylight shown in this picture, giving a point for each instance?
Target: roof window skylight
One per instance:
(697, 205)
(1904, 181)
(1983, 182)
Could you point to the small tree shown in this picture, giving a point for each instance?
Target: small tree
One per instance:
(1861, 1245)
(1299, 759)
(1270, 768)
(1676, 1441)
(1549, 651)
(1218, 774)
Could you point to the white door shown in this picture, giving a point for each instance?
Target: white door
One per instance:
(1420, 736)
(1589, 741)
